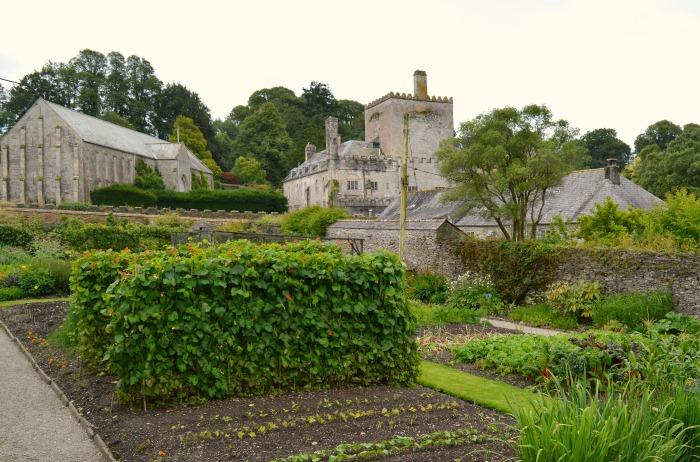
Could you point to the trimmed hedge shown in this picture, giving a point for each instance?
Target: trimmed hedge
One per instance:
(312, 221)
(123, 194)
(242, 199)
(240, 319)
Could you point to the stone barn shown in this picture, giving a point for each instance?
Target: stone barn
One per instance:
(429, 244)
(54, 154)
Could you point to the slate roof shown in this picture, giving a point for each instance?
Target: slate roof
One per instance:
(576, 196)
(347, 149)
(97, 131)
(426, 225)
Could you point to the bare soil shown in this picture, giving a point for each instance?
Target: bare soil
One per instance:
(259, 428)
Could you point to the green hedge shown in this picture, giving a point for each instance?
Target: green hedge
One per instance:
(123, 194)
(15, 236)
(242, 199)
(312, 221)
(116, 235)
(241, 318)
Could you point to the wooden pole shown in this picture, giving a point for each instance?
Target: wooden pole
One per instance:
(404, 190)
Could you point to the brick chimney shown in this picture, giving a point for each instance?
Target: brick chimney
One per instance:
(332, 137)
(420, 85)
(612, 171)
(309, 151)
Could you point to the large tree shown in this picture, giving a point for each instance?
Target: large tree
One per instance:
(262, 135)
(185, 131)
(89, 70)
(176, 99)
(249, 170)
(660, 133)
(603, 144)
(678, 166)
(505, 163)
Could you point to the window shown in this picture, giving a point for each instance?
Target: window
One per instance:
(373, 186)
(353, 185)
(412, 188)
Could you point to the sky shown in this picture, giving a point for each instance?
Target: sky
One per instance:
(620, 64)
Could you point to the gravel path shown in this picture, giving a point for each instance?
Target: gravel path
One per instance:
(34, 425)
(517, 327)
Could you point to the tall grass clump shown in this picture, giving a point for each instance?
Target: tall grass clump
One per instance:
(632, 309)
(601, 425)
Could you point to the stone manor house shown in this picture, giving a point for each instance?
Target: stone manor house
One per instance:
(364, 176)
(54, 154)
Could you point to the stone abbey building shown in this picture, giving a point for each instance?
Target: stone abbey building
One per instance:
(364, 176)
(54, 154)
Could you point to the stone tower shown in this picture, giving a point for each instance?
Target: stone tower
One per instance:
(431, 121)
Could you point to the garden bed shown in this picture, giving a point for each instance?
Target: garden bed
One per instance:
(436, 342)
(260, 428)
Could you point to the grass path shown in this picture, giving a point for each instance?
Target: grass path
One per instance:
(489, 393)
(25, 301)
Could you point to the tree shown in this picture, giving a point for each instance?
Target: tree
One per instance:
(148, 178)
(249, 170)
(660, 133)
(351, 118)
(225, 133)
(144, 87)
(661, 171)
(4, 116)
(262, 135)
(185, 131)
(90, 69)
(176, 99)
(603, 144)
(116, 119)
(116, 86)
(504, 164)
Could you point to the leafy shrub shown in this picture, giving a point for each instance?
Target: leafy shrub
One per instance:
(676, 323)
(632, 309)
(427, 287)
(147, 177)
(48, 246)
(13, 255)
(516, 267)
(576, 299)
(436, 315)
(602, 425)
(36, 281)
(241, 318)
(15, 236)
(78, 206)
(91, 308)
(242, 199)
(123, 194)
(115, 235)
(312, 221)
(11, 293)
(543, 315)
(59, 270)
(607, 221)
(473, 292)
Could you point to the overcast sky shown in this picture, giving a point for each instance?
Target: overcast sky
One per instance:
(621, 64)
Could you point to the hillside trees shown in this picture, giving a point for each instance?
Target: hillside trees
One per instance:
(504, 164)
(186, 131)
(660, 133)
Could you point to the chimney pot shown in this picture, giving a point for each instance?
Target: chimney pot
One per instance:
(309, 151)
(420, 85)
(612, 171)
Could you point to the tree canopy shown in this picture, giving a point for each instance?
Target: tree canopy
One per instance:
(249, 170)
(677, 166)
(603, 144)
(504, 164)
(660, 133)
(186, 131)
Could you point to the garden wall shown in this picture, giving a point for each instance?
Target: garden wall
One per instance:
(619, 270)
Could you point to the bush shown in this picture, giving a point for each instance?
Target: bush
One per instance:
(59, 270)
(13, 255)
(473, 292)
(36, 281)
(241, 318)
(91, 308)
(242, 199)
(123, 194)
(78, 206)
(516, 267)
(116, 235)
(148, 178)
(575, 299)
(632, 309)
(543, 316)
(600, 426)
(15, 236)
(427, 287)
(11, 293)
(312, 221)
(48, 246)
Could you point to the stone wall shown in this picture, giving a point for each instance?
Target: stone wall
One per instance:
(619, 270)
(426, 249)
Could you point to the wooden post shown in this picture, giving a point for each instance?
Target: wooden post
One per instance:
(404, 190)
